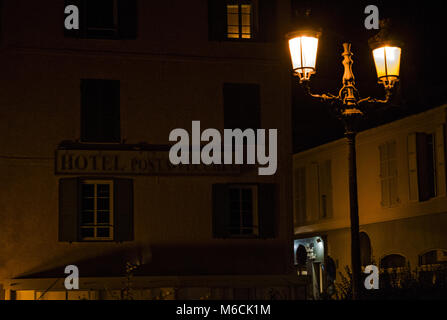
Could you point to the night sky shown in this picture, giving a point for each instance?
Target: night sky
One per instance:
(420, 25)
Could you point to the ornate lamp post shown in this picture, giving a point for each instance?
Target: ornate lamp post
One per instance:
(347, 105)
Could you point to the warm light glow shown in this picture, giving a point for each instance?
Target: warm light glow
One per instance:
(303, 51)
(387, 60)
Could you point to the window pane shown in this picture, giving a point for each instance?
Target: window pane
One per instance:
(88, 217)
(247, 195)
(103, 232)
(232, 9)
(103, 204)
(246, 20)
(88, 190)
(103, 217)
(88, 204)
(87, 232)
(246, 8)
(103, 190)
(101, 14)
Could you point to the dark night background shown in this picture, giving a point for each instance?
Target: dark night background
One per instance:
(420, 25)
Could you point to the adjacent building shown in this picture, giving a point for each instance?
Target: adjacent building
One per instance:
(402, 200)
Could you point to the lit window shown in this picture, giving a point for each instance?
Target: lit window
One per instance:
(240, 20)
(243, 210)
(97, 210)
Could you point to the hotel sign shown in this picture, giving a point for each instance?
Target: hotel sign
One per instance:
(130, 163)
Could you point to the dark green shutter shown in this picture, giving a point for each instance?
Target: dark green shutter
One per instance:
(69, 206)
(123, 209)
(267, 21)
(127, 19)
(217, 13)
(267, 210)
(221, 211)
(75, 33)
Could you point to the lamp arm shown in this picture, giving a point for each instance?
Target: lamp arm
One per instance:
(324, 96)
(374, 100)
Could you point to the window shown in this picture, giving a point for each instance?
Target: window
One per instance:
(100, 111)
(105, 19)
(426, 161)
(300, 196)
(325, 189)
(244, 210)
(236, 20)
(388, 173)
(95, 210)
(101, 17)
(432, 264)
(242, 108)
(240, 20)
(319, 195)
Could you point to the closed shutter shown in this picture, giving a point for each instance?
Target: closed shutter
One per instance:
(127, 19)
(423, 174)
(440, 161)
(75, 33)
(69, 205)
(267, 210)
(221, 211)
(123, 210)
(216, 20)
(300, 196)
(325, 189)
(412, 167)
(384, 174)
(100, 110)
(267, 21)
(314, 194)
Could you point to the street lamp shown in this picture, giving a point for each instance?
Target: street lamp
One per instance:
(303, 47)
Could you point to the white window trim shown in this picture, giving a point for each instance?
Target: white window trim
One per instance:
(95, 225)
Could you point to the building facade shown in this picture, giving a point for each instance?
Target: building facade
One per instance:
(402, 199)
(86, 114)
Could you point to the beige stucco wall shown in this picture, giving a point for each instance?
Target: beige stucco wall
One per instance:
(410, 228)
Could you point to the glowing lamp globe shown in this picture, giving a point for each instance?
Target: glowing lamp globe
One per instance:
(303, 48)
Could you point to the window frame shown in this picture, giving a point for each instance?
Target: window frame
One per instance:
(115, 30)
(84, 139)
(95, 226)
(255, 213)
(254, 21)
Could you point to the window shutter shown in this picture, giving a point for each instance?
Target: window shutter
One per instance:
(325, 189)
(314, 193)
(412, 167)
(128, 19)
(216, 20)
(69, 205)
(440, 160)
(267, 210)
(300, 196)
(221, 211)
(73, 33)
(423, 174)
(267, 20)
(123, 210)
